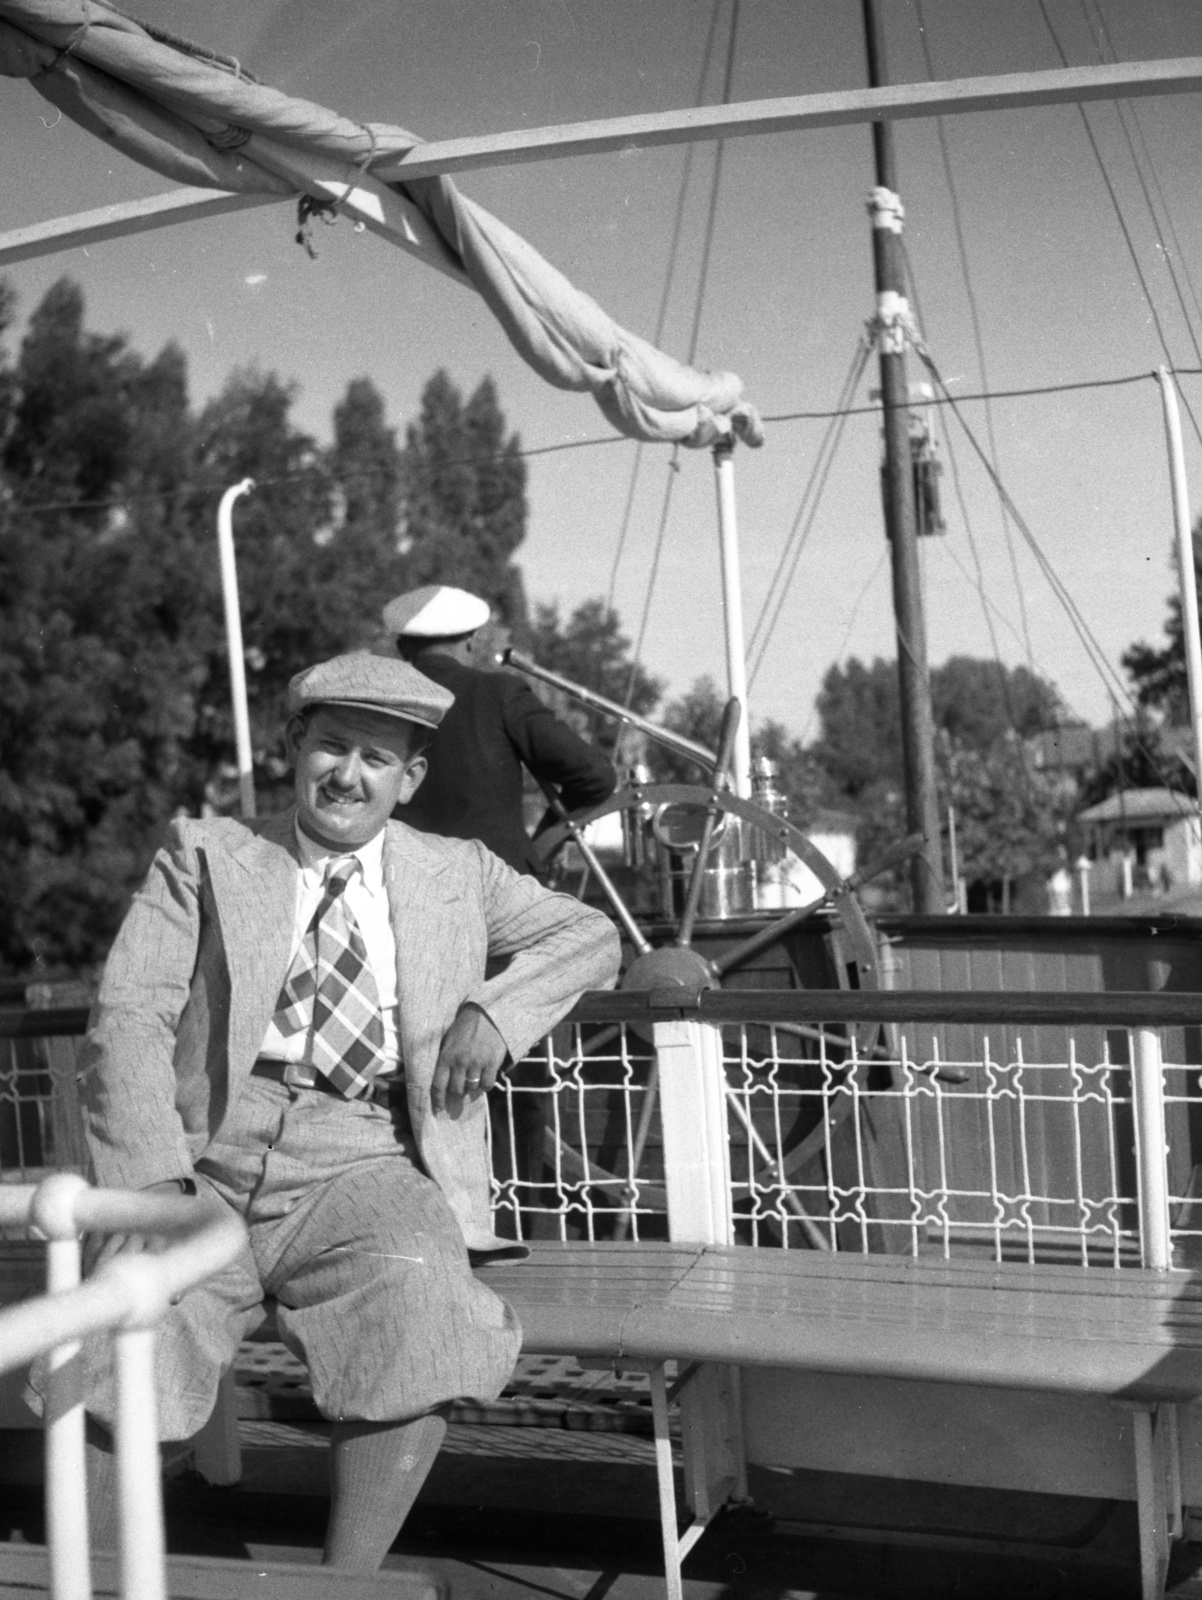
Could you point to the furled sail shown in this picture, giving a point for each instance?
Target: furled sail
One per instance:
(201, 118)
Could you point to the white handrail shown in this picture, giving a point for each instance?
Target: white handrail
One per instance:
(128, 1295)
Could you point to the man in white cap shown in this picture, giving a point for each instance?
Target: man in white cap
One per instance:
(295, 1022)
(497, 726)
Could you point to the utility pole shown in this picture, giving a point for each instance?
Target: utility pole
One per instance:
(892, 319)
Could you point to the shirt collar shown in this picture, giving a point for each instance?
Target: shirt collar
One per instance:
(370, 855)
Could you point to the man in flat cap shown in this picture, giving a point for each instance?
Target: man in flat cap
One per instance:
(294, 1021)
(497, 726)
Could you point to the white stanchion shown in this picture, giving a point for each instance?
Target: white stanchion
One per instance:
(732, 604)
(233, 634)
(66, 1485)
(139, 1485)
(1151, 1148)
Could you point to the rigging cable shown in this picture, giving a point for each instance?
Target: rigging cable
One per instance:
(977, 334)
(36, 508)
(706, 251)
(1025, 640)
(777, 591)
(1170, 263)
(1122, 222)
(1089, 641)
(669, 277)
(851, 622)
(962, 501)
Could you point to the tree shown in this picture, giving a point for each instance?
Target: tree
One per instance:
(976, 702)
(1159, 676)
(1006, 830)
(590, 649)
(983, 712)
(94, 592)
(465, 498)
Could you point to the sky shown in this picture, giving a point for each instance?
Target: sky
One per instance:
(785, 300)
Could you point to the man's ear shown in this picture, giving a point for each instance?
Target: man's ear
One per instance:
(294, 733)
(414, 773)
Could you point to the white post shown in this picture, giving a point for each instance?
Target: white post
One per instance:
(692, 1089)
(732, 605)
(233, 634)
(1151, 1148)
(139, 1485)
(1185, 564)
(692, 1096)
(66, 1492)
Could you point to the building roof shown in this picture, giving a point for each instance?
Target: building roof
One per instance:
(1141, 805)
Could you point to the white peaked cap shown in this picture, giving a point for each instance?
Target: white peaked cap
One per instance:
(435, 612)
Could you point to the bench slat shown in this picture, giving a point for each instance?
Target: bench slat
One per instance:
(868, 1315)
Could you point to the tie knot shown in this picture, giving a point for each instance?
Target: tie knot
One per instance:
(339, 873)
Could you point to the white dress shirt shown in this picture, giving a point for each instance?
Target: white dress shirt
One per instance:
(367, 898)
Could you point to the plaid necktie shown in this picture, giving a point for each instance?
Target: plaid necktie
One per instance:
(331, 983)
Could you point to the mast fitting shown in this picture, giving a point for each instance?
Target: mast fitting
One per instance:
(885, 209)
(893, 327)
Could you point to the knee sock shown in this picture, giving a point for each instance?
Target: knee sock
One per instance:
(376, 1473)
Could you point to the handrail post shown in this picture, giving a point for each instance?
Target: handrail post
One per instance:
(66, 1490)
(139, 1484)
(692, 1087)
(1151, 1148)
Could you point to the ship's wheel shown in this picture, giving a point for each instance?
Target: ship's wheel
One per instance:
(694, 818)
(689, 820)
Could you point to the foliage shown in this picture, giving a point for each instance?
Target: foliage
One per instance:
(114, 677)
(590, 649)
(976, 702)
(1009, 818)
(465, 498)
(982, 713)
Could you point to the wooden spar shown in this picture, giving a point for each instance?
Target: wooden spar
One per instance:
(794, 114)
(118, 221)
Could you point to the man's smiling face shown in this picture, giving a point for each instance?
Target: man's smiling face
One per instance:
(352, 767)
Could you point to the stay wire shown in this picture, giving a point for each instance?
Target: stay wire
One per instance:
(1102, 32)
(1025, 640)
(811, 497)
(977, 333)
(637, 654)
(1089, 642)
(111, 502)
(847, 632)
(665, 297)
(1121, 220)
(799, 548)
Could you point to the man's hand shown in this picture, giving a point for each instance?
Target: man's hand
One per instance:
(472, 1054)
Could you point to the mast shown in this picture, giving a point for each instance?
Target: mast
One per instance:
(893, 311)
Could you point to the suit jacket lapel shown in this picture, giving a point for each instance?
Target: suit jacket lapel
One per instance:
(254, 884)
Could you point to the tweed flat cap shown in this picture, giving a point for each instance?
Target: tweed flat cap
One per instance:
(436, 612)
(374, 683)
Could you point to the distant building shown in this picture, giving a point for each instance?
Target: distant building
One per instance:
(1143, 839)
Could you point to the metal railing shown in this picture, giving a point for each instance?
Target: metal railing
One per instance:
(1010, 1126)
(128, 1295)
(1013, 1126)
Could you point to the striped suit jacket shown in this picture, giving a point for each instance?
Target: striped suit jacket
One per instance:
(193, 978)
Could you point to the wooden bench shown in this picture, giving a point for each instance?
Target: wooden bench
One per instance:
(1125, 1336)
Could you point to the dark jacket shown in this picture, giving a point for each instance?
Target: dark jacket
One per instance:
(473, 787)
